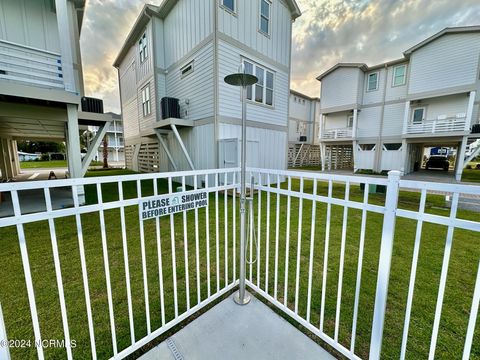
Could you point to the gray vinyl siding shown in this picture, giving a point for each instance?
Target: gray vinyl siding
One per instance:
(395, 92)
(200, 144)
(187, 24)
(197, 87)
(31, 23)
(393, 119)
(340, 87)
(229, 58)
(147, 122)
(144, 69)
(243, 26)
(369, 122)
(130, 119)
(336, 120)
(449, 61)
(128, 77)
(445, 105)
(374, 96)
(266, 139)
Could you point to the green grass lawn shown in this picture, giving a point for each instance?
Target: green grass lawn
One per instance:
(458, 295)
(473, 174)
(50, 164)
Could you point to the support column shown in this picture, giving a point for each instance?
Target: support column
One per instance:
(355, 120)
(7, 153)
(406, 116)
(459, 164)
(355, 156)
(15, 157)
(3, 166)
(469, 115)
(322, 155)
(403, 168)
(74, 157)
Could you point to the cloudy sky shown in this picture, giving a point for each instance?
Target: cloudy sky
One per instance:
(328, 32)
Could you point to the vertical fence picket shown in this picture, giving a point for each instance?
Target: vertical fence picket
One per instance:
(207, 236)
(358, 284)
(342, 261)
(144, 262)
(159, 257)
(217, 235)
(4, 349)
(58, 274)
(385, 261)
(259, 217)
(277, 235)
(473, 317)
(413, 273)
(197, 245)
(310, 259)
(185, 250)
(174, 260)
(234, 229)
(83, 264)
(106, 265)
(267, 237)
(325, 256)
(287, 242)
(225, 221)
(299, 245)
(443, 278)
(28, 274)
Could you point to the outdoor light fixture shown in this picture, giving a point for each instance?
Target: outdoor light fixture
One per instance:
(242, 79)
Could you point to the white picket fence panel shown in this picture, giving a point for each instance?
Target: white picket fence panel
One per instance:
(265, 184)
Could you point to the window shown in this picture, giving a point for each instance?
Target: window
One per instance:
(262, 91)
(372, 83)
(350, 121)
(265, 17)
(142, 48)
(146, 100)
(229, 4)
(399, 75)
(418, 115)
(187, 69)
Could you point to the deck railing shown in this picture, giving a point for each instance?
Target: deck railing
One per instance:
(342, 133)
(435, 126)
(31, 66)
(321, 249)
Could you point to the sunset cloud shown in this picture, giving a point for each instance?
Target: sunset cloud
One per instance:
(328, 32)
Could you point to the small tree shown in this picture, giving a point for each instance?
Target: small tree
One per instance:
(105, 152)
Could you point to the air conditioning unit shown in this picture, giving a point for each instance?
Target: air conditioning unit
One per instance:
(170, 108)
(92, 105)
(302, 138)
(476, 129)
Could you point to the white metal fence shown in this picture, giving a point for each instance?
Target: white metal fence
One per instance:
(316, 243)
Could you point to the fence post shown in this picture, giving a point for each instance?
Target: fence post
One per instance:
(4, 351)
(385, 260)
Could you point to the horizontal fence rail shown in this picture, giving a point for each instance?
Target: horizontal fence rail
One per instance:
(341, 133)
(344, 256)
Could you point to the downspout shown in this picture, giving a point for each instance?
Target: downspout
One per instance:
(215, 81)
(378, 153)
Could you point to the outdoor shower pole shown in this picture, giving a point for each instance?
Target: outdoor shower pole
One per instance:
(242, 79)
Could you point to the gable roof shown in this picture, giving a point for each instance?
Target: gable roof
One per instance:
(161, 12)
(448, 30)
(299, 94)
(360, 66)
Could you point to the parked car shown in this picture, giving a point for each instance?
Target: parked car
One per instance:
(437, 162)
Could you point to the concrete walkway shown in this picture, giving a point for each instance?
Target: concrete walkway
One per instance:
(230, 331)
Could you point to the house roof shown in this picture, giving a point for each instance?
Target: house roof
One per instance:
(407, 53)
(448, 30)
(361, 66)
(161, 12)
(294, 92)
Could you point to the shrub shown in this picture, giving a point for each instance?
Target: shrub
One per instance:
(468, 167)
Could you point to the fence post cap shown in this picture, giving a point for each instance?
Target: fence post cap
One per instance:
(394, 174)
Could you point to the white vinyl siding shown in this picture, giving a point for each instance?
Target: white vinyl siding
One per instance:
(341, 87)
(262, 92)
(146, 104)
(368, 123)
(244, 27)
(449, 61)
(186, 26)
(399, 75)
(393, 119)
(372, 81)
(264, 20)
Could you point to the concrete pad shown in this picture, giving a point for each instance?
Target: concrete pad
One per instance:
(230, 331)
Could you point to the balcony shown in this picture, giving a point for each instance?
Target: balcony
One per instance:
(30, 66)
(341, 133)
(437, 126)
